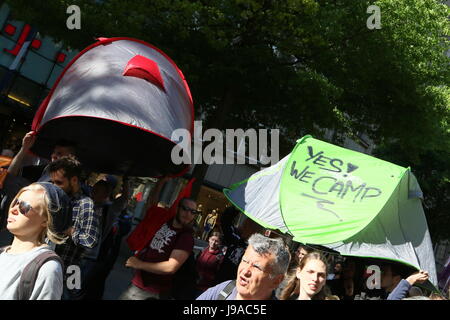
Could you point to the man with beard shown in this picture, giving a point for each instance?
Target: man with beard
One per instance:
(65, 173)
(166, 252)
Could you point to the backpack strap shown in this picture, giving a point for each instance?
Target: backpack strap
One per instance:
(30, 273)
(224, 294)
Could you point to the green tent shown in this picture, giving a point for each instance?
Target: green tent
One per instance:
(345, 200)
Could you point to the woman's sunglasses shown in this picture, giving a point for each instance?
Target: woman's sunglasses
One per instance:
(24, 207)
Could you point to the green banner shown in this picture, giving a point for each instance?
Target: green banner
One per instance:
(329, 193)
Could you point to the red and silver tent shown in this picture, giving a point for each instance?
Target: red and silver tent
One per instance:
(119, 100)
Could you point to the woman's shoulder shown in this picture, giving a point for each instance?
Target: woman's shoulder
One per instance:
(22, 261)
(30, 254)
(50, 265)
(49, 252)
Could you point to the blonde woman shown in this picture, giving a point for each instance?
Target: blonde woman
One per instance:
(38, 212)
(308, 280)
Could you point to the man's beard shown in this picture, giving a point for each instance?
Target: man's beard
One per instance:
(71, 189)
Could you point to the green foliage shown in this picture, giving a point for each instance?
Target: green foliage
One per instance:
(297, 65)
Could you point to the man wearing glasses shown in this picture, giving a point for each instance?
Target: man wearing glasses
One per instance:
(261, 270)
(166, 252)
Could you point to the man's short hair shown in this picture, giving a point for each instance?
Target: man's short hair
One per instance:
(70, 165)
(264, 245)
(216, 234)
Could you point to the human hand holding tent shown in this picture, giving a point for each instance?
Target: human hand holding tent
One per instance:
(418, 277)
(28, 140)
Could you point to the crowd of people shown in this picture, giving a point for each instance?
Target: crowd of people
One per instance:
(61, 225)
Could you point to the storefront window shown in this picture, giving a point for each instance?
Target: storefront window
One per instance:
(25, 92)
(140, 189)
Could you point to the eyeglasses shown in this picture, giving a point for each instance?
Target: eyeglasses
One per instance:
(193, 211)
(24, 207)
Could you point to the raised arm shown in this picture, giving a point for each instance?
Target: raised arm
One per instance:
(402, 289)
(17, 162)
(120, 203)
(170, 266)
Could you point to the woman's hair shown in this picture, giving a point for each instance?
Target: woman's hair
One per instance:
(295, 259)
(44, 207)
(293, 286)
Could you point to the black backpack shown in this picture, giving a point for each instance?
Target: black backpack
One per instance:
(225, 293)
(30, 272)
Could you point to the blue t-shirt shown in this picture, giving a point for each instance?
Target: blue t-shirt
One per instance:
(213, 293)
(400, 291)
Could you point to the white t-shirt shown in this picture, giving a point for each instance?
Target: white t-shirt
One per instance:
(49, 282)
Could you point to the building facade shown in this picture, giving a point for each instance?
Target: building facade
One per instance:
(29, 66)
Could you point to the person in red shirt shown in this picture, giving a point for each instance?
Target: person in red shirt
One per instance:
(157, 263)
(208, 262)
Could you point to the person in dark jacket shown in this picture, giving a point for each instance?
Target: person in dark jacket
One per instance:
(235, 244)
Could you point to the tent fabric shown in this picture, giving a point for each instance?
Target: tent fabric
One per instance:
(399, 231)
(415, 227)
(256, 197)
(120, 101)
(154, 218)
(402, 237)
(329, 193)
